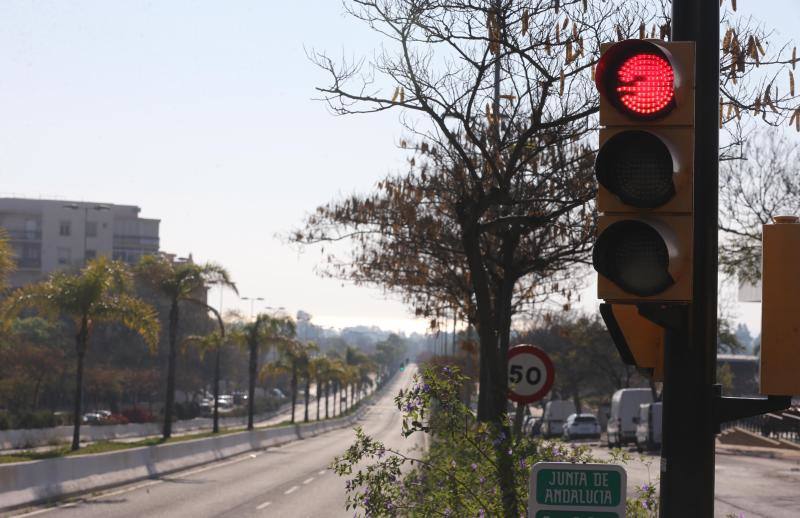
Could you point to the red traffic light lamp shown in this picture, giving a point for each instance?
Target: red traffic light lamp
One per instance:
(644, 81)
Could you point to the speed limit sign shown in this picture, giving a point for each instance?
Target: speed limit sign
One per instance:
(530, 374)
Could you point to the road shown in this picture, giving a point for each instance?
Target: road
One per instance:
(290, 480)
(747, 486)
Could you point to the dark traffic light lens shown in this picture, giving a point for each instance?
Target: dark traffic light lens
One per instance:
(634, 256)
(636, 166)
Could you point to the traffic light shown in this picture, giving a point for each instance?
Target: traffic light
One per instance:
(644, 168)
(780, 334)
(639, 341)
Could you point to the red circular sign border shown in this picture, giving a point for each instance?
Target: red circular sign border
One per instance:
(548, 367)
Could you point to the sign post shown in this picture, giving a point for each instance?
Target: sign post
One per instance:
(566, 490)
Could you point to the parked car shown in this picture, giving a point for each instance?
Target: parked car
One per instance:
(278, 393)
(624, 414)
(648, 427)
(581, 426)
(555, 413)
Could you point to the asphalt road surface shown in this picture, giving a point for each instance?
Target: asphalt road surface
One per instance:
(747, 486)
(290, 480)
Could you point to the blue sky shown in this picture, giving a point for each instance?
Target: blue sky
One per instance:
(201, 112)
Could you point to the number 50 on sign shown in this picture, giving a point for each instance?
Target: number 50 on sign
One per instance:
(530, 374)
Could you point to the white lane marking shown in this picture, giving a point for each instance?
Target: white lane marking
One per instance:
(291, 490)
(308, 480)
(262, 506)
(322, 472)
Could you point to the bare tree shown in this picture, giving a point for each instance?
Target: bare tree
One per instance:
(500, 107)
(766, 183)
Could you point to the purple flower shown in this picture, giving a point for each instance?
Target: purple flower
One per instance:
(474, 466)
(522, 463)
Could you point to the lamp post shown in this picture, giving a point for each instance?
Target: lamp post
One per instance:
(98, 208)
(252, 302)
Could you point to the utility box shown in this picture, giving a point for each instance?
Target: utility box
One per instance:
(780, 307)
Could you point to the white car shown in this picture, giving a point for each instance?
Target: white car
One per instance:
(581, 426)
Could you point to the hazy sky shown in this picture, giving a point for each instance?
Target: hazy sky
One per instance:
(201, 113)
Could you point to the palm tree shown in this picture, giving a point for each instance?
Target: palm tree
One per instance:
(100, 292)
(293, 360)
(7, 262)
(319, 369)
(179, 282)
(305, 369)
(336, 373)
(213, 341)
(268, 330)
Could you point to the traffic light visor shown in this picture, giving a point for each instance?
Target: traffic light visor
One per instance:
(638, 77)
(638, 167)
(635, 256)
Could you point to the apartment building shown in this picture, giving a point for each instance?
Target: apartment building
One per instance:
(47, 235)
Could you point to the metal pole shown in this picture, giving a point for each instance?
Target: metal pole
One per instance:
(687, 461)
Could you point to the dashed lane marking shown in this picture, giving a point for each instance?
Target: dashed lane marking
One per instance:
(322, 472)
(262, 506)
(291, 490)
(308, 480)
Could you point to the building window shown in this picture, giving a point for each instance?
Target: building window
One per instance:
(64, 255)
(64, 228)
(90, 254)
(91, 229)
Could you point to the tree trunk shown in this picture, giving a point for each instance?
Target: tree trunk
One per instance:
(36, 388)
(319, 395)
(327, 394)
(576, 400)
(81, 340)
(251, 383)
(307, 396)
(216, 391)
(294, 389)
(169, 402)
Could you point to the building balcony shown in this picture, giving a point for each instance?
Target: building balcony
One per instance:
(24, 235)
(29, 263)
(136, 242)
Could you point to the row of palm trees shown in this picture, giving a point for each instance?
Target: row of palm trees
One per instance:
(103, 292)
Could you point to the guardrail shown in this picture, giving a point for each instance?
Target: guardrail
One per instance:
(778, 425)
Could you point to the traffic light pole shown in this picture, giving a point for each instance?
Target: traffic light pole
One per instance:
(690, 349)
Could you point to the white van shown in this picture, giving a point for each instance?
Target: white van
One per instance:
(624, 414)
(648, 428)
(555, 415)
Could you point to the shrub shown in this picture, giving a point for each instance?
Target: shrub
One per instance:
(187, 410)
(138, 415)
(113, 419)
(40, 419)
(5, 421)
(460, 473)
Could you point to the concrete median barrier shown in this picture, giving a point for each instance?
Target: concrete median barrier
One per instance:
(26, 483)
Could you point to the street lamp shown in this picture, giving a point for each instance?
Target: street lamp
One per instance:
(252, 301)
(98, 208)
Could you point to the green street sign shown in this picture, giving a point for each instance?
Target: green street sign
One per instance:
(566, 490)
(574, 514)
